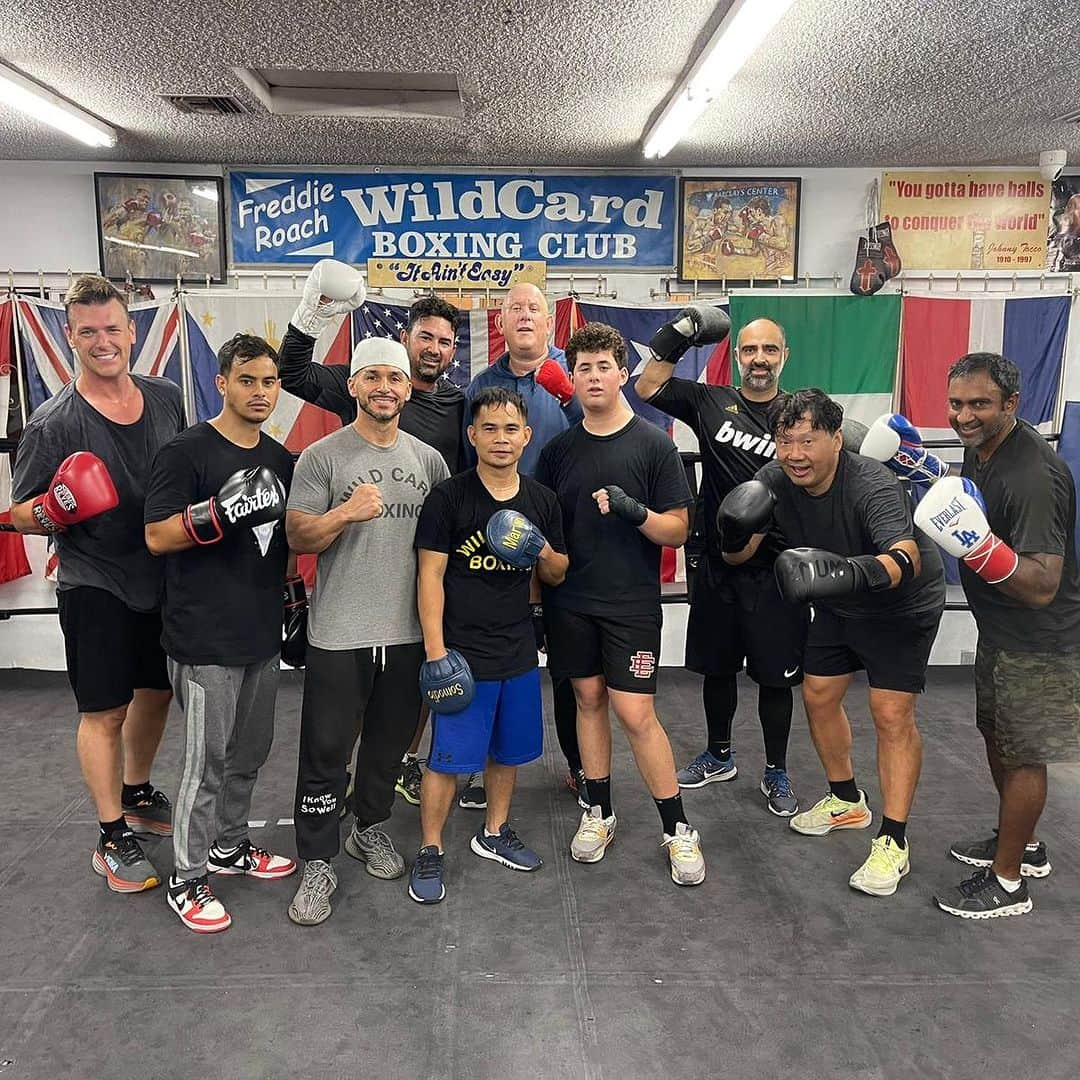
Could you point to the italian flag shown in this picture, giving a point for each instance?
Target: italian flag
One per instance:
(846, 345)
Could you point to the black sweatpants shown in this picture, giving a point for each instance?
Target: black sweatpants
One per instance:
(375, 690)
(565, 708)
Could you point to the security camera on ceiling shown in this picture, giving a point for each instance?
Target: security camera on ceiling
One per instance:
(1052, 163)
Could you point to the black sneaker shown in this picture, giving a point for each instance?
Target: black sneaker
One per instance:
(1035, 863)
(120, 860)
(982, 897)
(152, 815)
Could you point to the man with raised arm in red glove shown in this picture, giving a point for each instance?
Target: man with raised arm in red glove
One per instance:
(1010, 519)
(80, 475)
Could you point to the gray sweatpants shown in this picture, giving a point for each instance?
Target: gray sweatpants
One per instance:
(230, 725)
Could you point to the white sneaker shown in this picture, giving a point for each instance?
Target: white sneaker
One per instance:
(593, 836)
(199, 909)
(684, 853)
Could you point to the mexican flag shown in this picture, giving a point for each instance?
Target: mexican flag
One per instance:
(846, 345)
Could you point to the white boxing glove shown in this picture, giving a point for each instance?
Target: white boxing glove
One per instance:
(952, 514)
(332, 288)
(895, 440)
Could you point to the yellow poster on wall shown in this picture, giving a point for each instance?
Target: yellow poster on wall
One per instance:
(968, 220)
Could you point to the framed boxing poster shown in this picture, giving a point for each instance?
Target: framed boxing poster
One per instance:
(738, 229)
(158, 228)
(1063, 243)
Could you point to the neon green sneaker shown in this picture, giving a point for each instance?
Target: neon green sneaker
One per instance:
(886, 864)
(833, 813)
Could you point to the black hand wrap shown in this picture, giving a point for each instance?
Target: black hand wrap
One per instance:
(626, 507)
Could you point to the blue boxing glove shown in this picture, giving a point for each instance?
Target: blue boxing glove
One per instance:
(896, 441)
(514, 538)
(447, 685)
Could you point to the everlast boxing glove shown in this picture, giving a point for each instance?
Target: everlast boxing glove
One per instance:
(447, 685)
(696, 324)
(953, 515)
(812, 574)
(869, 273)
(555, 381)
(896, 441)
(514, 538)
(747, 509)
(890, 257)
(294, 623)
(81, 489)
(248, 498)
(332, 288)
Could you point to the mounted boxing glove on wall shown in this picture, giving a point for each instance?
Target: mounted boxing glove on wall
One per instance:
(248, 498)
(894, 440)
(953, 515)
(80, 489)
(447, 685)
(332, 288)
(812, 574)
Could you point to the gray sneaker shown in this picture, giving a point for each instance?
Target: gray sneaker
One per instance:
(474, 796)
(594, 835)
(376, 850)
(1035, 861)
(311, 904)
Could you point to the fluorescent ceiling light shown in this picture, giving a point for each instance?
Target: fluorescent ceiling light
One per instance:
(42, 104)
(746, 25)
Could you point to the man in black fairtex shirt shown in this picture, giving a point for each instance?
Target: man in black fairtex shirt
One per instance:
(1011, 521)
(877, 594)
(474, 597)
(215, 506)
(623, 494)
(737, 613)
(435, 409)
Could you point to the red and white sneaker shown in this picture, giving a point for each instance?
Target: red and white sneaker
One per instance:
(199, 909)
(250, 860)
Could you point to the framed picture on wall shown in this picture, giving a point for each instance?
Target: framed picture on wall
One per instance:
(739, 229)
(158, 228)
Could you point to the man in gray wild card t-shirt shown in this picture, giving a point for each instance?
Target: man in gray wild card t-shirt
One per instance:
(355, 501)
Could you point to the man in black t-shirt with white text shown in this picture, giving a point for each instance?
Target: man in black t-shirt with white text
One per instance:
(624, 495)
(877, 594)
(736, 613)
(214, 509)
(1010, 520)
(485, 541)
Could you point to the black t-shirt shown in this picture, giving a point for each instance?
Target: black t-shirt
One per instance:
(614, 568)
(1031, 505)
(223, 601)
(434, 416)
(864, 512)
(486, 614)
(108, 551)
(734, 441)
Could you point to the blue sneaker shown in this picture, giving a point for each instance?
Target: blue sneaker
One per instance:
(425, 881)
(505, 848)
(705, 769)
(776, 787)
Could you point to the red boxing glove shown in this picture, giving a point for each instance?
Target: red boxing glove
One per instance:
(555, 381)
(81, 489)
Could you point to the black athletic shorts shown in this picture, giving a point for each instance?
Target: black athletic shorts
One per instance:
(737, 614)
(894, 649)
(625, 650)
(111, 650)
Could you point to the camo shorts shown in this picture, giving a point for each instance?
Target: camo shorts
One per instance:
(1030, 702)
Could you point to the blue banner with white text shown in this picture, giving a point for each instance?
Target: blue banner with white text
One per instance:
(572, 221)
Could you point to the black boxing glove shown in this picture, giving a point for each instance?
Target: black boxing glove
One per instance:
(869, 273)
(890, 257)
(696, 324)
(248, 498)
(747, 509)
(294, 623)
(812, 574)
(626, 506)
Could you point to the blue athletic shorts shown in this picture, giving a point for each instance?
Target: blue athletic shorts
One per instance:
(505, 722)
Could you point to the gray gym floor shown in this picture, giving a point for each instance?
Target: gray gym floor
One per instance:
(772, 968)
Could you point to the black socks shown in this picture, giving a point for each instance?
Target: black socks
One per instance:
(845, 789)
(109, 829)
(671, 813)
(135, 793)
(895, 829)
(600, 794)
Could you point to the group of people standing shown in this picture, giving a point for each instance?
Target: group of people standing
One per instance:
(458, 534)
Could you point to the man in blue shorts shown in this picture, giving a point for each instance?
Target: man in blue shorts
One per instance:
(476, 574)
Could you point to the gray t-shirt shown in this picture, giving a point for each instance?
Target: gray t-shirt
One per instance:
(109, 551)
(365, 586)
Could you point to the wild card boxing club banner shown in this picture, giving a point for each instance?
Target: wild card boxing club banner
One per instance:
(566, 220)
(968, 220)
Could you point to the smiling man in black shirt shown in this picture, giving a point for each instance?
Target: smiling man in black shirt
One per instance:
(214, 509)
(623, 494)
(877, 596)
